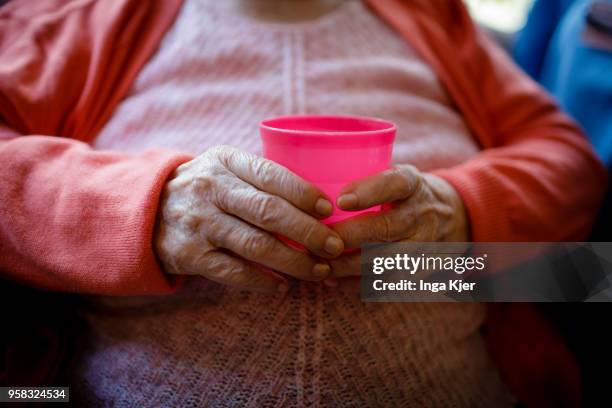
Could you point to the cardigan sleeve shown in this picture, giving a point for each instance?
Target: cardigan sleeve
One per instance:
(73, 218)
(78, 220)
(537, 179)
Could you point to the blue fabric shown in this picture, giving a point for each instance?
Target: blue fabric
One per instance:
(550, 49)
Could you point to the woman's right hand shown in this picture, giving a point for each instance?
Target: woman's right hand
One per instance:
(220, 211)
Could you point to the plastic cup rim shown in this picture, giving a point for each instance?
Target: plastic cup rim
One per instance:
(391, 127)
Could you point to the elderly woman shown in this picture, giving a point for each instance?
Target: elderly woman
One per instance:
(115, 181)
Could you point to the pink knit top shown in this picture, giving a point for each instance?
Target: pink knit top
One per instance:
(215, 76)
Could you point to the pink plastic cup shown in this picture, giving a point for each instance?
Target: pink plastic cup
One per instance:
(330, 151)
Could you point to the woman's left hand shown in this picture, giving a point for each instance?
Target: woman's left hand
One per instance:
(418, 207)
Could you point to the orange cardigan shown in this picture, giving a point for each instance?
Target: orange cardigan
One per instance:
(76, 219)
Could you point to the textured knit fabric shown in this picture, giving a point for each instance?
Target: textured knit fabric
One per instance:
(76, 219)
(215, 76)
(214, 347)
(218, 74)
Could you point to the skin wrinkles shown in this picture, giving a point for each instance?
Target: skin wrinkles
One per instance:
(220, 215)
(418, 207)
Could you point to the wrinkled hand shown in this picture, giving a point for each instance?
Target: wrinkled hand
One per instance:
(420, 208)
(218, 215)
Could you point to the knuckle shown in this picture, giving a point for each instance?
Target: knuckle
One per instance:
(237, 275)
(203, 183)
(404, 178)
(222, 158)
(188, 259)
(417, 179)
(181, 248)
(384, 227)
(213, 222)
(313, 235)
(214, 266)
(191, 223)
(193, 184)
(432, 226)
(219, 152)
(208, 229)
(214, 151)
(221, 195)
(256, 246)
(264, 171)
(296, 188)
(226, 273)
(266, 209)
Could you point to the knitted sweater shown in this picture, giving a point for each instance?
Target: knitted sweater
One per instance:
(215, 76)
(80, 220)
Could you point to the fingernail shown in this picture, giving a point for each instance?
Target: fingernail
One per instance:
(323, 207)
(283, 288)
(330, 283)
(321, 271)
(333, 246)
(347, 201)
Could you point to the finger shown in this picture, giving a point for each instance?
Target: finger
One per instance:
(385, 226)
(274, 214)
(258, 246)
(232, 271)
(391, 185)
(346, 265)
(275, 179)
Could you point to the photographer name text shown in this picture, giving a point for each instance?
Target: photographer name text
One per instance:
(409, 265)
(452, 285)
